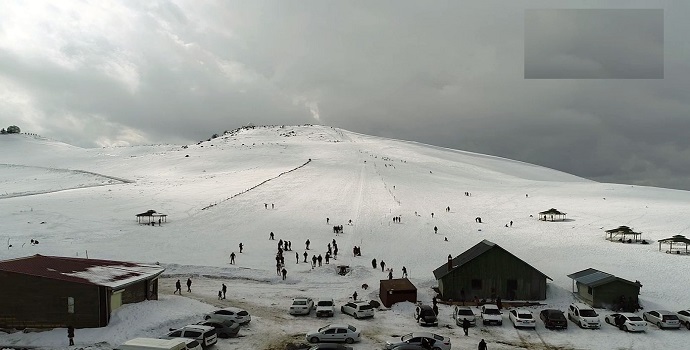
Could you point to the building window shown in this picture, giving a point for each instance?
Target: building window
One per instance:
(589, 290)
(70, 305)
(476, 284)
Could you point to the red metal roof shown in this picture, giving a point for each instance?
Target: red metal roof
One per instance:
(107, 273)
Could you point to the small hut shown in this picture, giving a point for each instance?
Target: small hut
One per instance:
(551, 215)
(679, 240)
(624, 234)
(397, 290)
(150, 216)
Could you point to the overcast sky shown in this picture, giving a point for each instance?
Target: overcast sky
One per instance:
(448, 73)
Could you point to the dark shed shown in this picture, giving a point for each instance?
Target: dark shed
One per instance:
(601, 289)
(488, 271)
(397, 290)
(52, 291)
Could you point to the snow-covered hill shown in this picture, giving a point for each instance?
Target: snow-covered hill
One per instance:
(76, 200)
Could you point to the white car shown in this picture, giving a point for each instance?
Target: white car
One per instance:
(206, 335)
(191, 344)
(358, 309)
(684, 317)
(461, 313)
(584, 316)
(491, 314)
(662, 319)
(301, 306)
(522, 318)
(626, 321)
(434, 341)
(325, 308)
(335, 333)
(230, 313)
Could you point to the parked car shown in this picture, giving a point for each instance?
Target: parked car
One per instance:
(335, 333)
(325, 308)
(626, 321)
(230, 313)
(424, 314)
(191, 344)
(330, 346)
(206, 335)
(684, 317)
(358, 309)
(301, 306)
(224, 328)
(154, 344)
(461, 313)
(435, 341)
(583, 315)
(662, 319)
(553, 319)
(522, 318)
(491, 314)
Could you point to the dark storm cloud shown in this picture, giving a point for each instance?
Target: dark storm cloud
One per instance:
(448, 73)
(594, 44)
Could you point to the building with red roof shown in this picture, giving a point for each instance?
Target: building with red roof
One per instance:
(52, 291)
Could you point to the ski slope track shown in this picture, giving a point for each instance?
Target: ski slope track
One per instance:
(288, 180)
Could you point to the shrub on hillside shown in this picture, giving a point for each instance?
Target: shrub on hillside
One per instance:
(13, 129)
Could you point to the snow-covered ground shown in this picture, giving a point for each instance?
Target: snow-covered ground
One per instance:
(78, 201)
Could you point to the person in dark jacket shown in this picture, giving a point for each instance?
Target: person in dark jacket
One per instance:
(224, 289)
(383, 265)
(189, 285)
(178, 287)
(373, 263)
(70, 334)
(354, 296)
(482, 345)
(465, 326)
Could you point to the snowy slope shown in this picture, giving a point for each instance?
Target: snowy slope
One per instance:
(75, 200)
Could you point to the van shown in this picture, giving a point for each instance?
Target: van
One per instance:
(153, 344)
(206, 335)
(583, 315)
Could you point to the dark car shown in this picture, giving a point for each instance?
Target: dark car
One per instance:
(224, 328)
(553, 319)
(424, 314)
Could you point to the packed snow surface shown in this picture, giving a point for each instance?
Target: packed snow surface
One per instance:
(239, 187)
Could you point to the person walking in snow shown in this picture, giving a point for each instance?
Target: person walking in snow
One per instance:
(273, 206)
(224, 289)
(328, 258)
(241, 246)
(271, 236)
(265, 205)
(383, 265)
(189, 285)
(319, 259)
(327, 221)
(305, 256)
(297, 257)
(280, 243)
(232, 258)
(482, 345)
(390, 274)
(70, 334)
(432, 215)
(313, 261)
(284, 271)
(373, 263)
(307, 244)
(435, 229)
(404, 270)
(511, 223)
(220, 295)
(354, 296)
(465, 326)
(178, 287)
(278, 267)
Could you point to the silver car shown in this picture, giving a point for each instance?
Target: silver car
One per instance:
(301, 306)
(335, 333)
(662, 319)
(424, 339)
(462, 313)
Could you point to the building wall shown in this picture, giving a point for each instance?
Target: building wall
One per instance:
(605, 295)
(389, 299)
(135, 293)
(583, 292)
(29, 301)
(494, 269)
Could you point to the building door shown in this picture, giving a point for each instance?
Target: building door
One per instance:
(116, 300)
(511, 289)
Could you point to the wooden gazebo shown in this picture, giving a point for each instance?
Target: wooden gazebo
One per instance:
(551, 215)
(623, 234)
(150, 216)
(679, 240)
